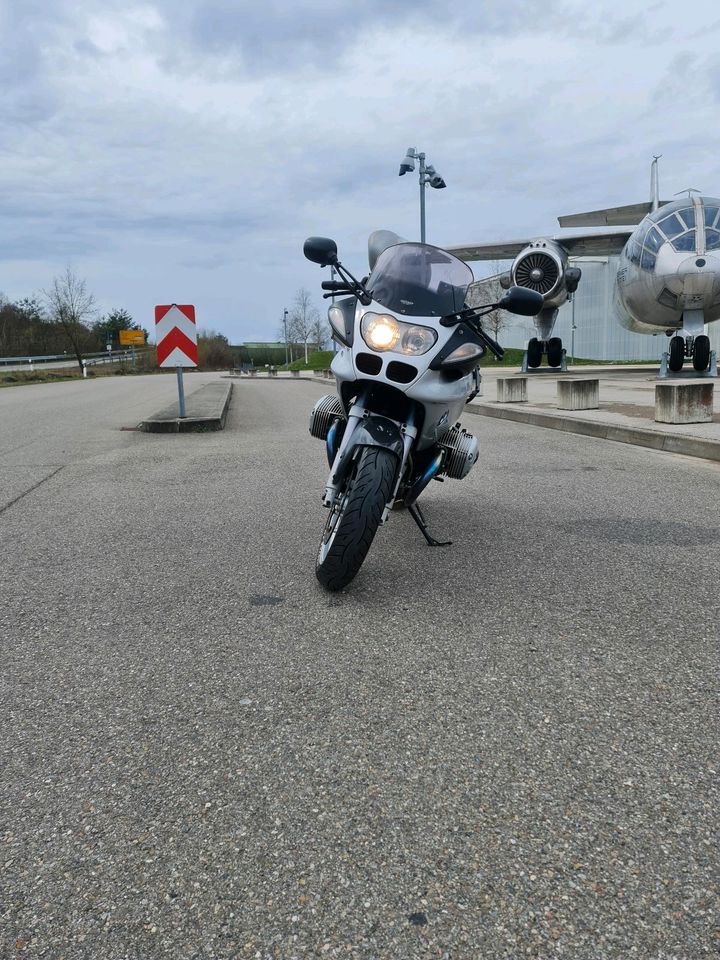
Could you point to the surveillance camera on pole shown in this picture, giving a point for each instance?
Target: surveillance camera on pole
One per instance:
(408, 163)
(434, 178)
(428, 174)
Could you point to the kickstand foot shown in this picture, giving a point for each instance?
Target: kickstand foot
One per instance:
(419, 519)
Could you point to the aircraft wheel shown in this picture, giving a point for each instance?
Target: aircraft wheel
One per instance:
(534, 352)
(554, 351)
(677, 353)
(701, 353)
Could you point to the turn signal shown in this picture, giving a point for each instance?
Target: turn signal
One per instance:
(465, 353)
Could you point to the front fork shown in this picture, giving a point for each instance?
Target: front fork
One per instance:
(357, 416)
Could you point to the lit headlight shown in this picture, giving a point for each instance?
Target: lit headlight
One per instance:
(379, 331)
(382, 332)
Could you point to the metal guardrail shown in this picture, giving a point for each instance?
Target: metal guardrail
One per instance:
(88, 360)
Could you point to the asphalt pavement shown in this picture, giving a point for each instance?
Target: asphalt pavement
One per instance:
(502, 748)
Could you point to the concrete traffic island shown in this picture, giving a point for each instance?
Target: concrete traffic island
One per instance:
(206, 410)
(512, 389)
(686, 402)
(578, 394)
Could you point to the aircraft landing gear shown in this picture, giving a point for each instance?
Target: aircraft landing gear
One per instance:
(704, 360)
(701, 353)
(677, 354)
(555, 352)
(534, 352)
(536, 348)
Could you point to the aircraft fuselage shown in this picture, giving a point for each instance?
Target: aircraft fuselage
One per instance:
(668, 277)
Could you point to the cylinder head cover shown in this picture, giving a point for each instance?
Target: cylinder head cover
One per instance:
(325, 411)
(461, 452)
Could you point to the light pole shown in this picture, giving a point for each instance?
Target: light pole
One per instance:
(428, 174)
(285, 313)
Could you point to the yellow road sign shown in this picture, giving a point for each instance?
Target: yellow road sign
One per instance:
(132, 338)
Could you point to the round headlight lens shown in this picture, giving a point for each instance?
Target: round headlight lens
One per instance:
(417, 340)
(380, 331)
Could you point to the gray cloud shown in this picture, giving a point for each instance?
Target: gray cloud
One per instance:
(187, 149)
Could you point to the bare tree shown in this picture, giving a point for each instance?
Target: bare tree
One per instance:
(71, 307)
(319, 333)
(302, 319)
(489, 291)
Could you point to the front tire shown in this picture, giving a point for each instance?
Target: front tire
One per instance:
(352, 525)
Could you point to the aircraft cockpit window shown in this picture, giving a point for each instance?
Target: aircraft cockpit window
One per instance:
(710, 216)
(653, 240)
(642, 230)
(686, 241)
(712, 239)
(671, 226)
(647, 260)
(688, 216)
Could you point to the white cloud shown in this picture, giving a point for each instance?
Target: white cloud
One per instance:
(185, 151)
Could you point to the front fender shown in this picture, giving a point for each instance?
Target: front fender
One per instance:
(372, 431)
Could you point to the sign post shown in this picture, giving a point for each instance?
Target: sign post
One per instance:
(176, 338)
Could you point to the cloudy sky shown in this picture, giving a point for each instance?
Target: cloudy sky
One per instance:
(182, 151)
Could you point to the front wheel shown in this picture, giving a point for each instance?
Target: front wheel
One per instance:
(354, 520)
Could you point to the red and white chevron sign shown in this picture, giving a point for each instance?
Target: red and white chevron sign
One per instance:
(176, 335)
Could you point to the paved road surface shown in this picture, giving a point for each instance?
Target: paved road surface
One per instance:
(506, 748)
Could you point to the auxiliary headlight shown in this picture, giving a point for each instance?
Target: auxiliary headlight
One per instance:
(382, 332)
(337, 321)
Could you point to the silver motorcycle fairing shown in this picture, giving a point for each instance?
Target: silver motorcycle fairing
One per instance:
(442, 397)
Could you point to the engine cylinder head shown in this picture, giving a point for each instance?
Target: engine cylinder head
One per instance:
(325, 411)
(461, 452)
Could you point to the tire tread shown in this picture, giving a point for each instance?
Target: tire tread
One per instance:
(370, 491)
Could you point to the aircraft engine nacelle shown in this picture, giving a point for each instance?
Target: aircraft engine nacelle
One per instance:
(543, 266)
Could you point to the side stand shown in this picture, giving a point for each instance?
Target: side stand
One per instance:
(416, 514)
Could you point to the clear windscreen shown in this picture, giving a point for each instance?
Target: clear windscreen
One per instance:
(419, 280)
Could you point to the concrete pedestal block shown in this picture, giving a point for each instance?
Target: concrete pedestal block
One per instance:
(578, 394)
(512, 389)
(684, 402)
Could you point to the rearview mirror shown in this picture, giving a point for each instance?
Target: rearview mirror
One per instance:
(522, 300)
(321, 250)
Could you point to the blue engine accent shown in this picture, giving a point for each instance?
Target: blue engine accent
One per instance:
(431, 470)
(333, 441)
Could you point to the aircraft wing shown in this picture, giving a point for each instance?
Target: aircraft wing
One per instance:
(628, 215)
(577, 245)
(489, 251)
(595, 244)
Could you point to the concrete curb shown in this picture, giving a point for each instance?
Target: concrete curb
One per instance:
(640, 436)
(206, 410)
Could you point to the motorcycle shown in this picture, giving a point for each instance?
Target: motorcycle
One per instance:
(408, 361)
